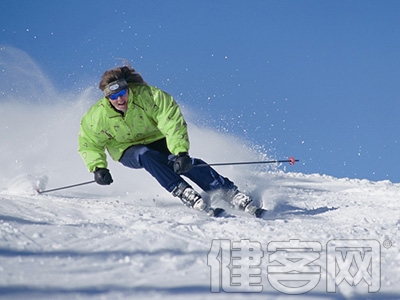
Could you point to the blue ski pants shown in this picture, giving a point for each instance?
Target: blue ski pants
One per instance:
(159, 165)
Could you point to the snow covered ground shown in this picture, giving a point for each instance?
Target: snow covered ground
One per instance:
(79, 245)
(133, 240)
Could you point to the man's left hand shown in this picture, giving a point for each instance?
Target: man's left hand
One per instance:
(182, 163)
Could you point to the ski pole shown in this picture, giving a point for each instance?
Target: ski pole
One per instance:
(65, 187)
(291, 162)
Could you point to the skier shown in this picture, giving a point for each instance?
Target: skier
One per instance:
(142, 126)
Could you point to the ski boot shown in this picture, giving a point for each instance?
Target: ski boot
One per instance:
(193, 199)
(244, 202)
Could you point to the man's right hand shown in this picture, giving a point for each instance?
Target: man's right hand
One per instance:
(102, 176)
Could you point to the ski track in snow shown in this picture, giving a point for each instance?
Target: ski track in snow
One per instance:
(77, 245)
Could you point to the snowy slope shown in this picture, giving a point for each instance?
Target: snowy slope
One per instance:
(133, 240)
(141, 246)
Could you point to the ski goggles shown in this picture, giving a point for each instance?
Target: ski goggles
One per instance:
(116, 95)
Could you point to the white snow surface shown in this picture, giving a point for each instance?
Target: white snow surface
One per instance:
(133, 240)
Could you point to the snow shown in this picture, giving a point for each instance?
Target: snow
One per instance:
(133, 240)
(79, 245)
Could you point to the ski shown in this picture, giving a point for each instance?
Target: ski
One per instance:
(222, 213)
(260, 212)
(219, 213)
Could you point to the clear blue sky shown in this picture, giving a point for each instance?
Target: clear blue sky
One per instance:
(318, 80)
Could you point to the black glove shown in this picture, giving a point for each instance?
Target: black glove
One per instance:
(182, 163)
(102, 176)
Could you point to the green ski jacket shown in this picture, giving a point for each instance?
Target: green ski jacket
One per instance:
(152, 114)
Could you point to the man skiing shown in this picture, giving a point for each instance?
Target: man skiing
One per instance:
(142, 126)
